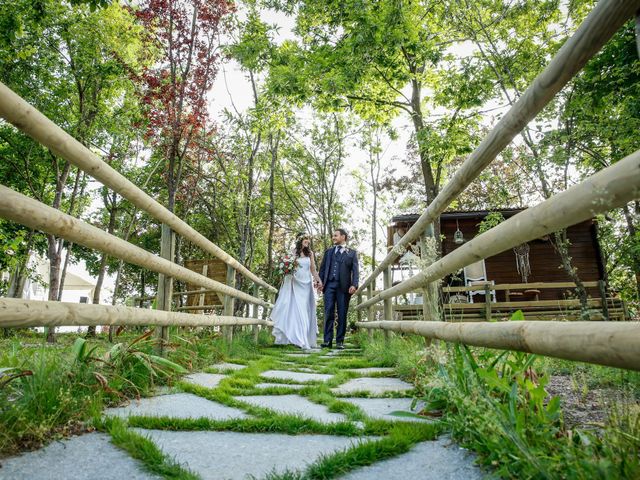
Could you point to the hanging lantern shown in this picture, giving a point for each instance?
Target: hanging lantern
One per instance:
(458, 238)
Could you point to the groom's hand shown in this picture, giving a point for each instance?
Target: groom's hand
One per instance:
(352, 290)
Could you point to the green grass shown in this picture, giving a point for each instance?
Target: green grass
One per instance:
(400, 438)
(143, 449)
(87, 397)
(495, 404)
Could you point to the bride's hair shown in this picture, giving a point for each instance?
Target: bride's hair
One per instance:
(299, 248)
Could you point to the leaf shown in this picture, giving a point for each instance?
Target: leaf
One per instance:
(169, 364)
(400, 413)
(79, 347)
(517, 316)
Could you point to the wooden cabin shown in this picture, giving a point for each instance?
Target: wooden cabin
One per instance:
(530, 279)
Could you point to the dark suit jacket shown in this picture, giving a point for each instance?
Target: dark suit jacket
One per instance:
(348, 270)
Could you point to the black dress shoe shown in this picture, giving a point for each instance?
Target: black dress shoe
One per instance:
(326, 345)
(340, 346)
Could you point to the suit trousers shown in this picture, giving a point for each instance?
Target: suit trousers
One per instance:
(334, 296)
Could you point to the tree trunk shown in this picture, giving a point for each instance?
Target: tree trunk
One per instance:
(561, 244)
(631, 228)
(273, 147)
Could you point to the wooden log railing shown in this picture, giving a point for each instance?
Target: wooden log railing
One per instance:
(612, 187)
(612, 344)
(606, 343)
(29, 212)
(599, 26)
(28, 119)
(18, 313)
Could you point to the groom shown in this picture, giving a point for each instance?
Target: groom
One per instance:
(339, 273)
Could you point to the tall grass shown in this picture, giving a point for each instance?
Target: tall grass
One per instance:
(495, 403)
(65, 388)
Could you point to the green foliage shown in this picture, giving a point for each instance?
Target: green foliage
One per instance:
(143, 449)
(497, 405)
(48, 391)
(491, 220)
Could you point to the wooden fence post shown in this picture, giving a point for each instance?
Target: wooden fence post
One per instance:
(603, 294)
(229, 304)
(388, 306)
(430, 294)
(370, 312)
(165, 284)
(254, 312)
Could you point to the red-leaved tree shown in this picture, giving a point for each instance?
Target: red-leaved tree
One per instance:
(174, 93)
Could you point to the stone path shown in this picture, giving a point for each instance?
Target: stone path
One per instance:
(88, 457)
(178, 405)
(373, 386)
(295, 405)
(437, 460)
(238, 452)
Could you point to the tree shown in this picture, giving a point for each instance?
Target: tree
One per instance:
(76, 68)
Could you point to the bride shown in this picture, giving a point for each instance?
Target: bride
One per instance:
(294, 313)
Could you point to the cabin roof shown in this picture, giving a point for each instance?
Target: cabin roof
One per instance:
(460, 214)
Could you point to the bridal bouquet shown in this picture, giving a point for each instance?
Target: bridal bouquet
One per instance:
(286, 265)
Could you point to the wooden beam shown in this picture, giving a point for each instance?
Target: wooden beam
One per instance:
(197, 307)
(229, 303)
(18, 313)
(614, 344)
(611, 187)
(165, 284)
(28, 119)
(596, 29)
(29, 212)
(521, 286)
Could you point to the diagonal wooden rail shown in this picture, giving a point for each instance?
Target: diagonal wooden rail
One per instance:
(29, 212)
(18, 313)
(28, 119)
(612, 187)
(599, 26)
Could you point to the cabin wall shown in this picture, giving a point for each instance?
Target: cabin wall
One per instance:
(544, 260)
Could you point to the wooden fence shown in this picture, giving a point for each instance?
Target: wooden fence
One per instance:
(610, 188)
(33, 214)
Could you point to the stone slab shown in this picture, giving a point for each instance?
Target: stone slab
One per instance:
(295, 376)
(370, 370)
(381, 408)
(208, 380)
(292, 386)
(294, 405)
(87, 457)
(225, 366)
(375, 386)
(238, 456)
(437, 460)
(178, 405)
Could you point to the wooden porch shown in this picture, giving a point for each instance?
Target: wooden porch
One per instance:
(526, 297)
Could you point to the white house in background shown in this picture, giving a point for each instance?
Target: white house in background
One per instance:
(76, 288)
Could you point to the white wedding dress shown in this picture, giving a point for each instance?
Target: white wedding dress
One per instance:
(294, 314)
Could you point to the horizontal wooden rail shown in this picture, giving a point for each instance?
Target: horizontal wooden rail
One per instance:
(525, 303)
(519, 286)
(612, 187)
(28, 119)
(193, 292)
(29, 212)
(599, 26)
(198, 307)
(18, 313)
(603, 343)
